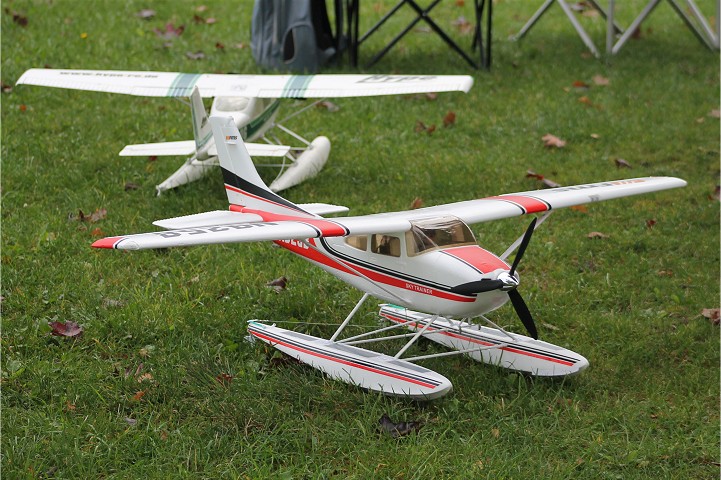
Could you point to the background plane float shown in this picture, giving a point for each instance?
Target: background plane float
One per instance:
(251, 100)
(425, 263)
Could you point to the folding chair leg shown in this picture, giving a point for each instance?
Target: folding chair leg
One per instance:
(579, 28)
(708, 41)
(636, 23)
(532, 21)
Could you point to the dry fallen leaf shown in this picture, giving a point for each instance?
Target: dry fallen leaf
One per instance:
(198, 55)
(131, 186)
(596, 235)
(463, 25)
(621, 163)
(713, 314)
(6, 88)
(219, 46)
(138, 395)
(330, 106)
(399, 429)
(715, 113)
(97, 232)
(224, 379)
(716, 195)
(595, 136)
(545, 181)
(585, 100)
(601, 80)
(421, 127)
(449, 119)
(145, 14)
(650, 223)
(579, 85)
(551, 141)
(579, 208)
(278, 284)
(170, 32)
(18, 18)
(417, 203)
(664, 273)
(68, 329)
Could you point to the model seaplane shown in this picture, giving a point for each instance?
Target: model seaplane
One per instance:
(425, 263)
(251, 100)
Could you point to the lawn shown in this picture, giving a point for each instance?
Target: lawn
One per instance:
(162, 384)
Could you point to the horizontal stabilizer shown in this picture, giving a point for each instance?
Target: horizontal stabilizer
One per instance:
(187, 147)
(217, 217)
(322, 208)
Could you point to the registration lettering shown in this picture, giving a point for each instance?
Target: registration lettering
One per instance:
(215, 229)
(396, 78)
(419, 288)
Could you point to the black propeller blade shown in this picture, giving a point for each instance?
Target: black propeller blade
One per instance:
(479, 286)
(523, 313)
(522, 247)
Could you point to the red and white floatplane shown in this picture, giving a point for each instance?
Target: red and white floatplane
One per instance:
(425, 264)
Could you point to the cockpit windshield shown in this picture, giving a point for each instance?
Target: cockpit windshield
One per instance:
(231, 104)
(427, 235)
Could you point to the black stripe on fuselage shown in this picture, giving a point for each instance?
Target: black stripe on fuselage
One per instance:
(234, 180)
(390, 273)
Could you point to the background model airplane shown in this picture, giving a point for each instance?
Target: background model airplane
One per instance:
(252, 102)
(425, 262)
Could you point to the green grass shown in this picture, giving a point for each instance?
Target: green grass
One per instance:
(648, 406)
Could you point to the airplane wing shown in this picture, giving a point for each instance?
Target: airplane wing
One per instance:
(231, 227)
(187, 147)
(171, 84)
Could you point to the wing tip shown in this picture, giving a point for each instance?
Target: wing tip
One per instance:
(107, 242)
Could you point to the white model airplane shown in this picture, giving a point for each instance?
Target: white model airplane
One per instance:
(252, 101)
(424, 262)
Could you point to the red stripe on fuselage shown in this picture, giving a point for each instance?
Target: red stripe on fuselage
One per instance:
(528, 204)
(355, 269)
(274, 342)
(480, 259)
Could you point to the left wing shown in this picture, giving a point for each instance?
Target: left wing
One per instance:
(187, 147)
(262, 226)
(171, 84)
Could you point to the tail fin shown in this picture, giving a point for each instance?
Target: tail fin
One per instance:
(201, 127)
(242, 182)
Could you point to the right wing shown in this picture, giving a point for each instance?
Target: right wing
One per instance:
(187, 147)
(173, 84)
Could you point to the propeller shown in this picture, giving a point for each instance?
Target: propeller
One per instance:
(508, 283)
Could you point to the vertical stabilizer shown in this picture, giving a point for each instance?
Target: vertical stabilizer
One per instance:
(242, 182)
(201, 127)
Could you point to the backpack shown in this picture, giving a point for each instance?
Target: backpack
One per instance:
(294, 35)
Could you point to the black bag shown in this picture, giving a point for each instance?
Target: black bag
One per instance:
(294, 35)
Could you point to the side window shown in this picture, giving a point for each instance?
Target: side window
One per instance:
(386, 245)
(358, 241)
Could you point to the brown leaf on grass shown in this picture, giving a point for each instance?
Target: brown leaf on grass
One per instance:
(131, 186)
(240, 45)
(224, 379)
(96, 216)
(399, 429)
(278, 284)
(460, 3)
(6, 88)
(716, 195)
(138, 395)
(97, 232)
(579, 85)
(596, 235)
(146, 377)
(715, 113)
(579, 208)
(421, 127)
(545, 181)
(201, 8)
(449, 119)
(417, 203)
(68, 329)
(19, 18)
(552, 141)
(330, 106)
(152, 158)
(219, 46)
(169, 32)
(664, 273)
(713, 314)
(210, 20)
(23, 107)
(146, 14)
(198, 55)
(463, 25)
(650, 223)
(601, 80)
(621, 163)
(198, 19)
(595, 136)
(69, 407)
(586, 101)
